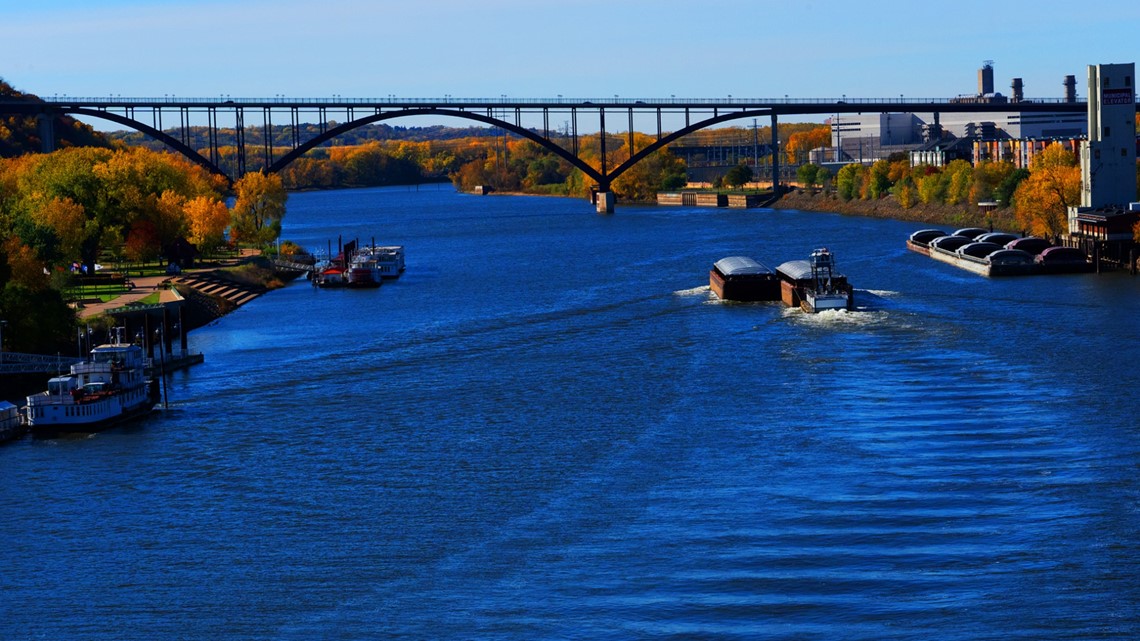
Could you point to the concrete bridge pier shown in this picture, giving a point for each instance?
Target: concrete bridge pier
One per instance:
(46, 125)
(604, 202)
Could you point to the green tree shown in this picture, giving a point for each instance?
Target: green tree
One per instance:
(1005, 190)
(849, 180)
(808, 174)
(738, 176)
(879, 181)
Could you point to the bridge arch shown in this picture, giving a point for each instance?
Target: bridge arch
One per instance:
(305, 147)
(697, 126)
(603, 180)
(157, 134)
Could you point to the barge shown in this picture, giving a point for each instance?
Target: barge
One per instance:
(998, 254)
(739, 278)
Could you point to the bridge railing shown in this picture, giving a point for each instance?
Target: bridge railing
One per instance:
(19, 363)
(392, 101)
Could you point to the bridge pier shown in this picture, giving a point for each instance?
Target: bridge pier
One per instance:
(604, 202)
(46, 124)
(775, 155)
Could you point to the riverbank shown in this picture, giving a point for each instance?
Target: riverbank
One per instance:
(961, 215)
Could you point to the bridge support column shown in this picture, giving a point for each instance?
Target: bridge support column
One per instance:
(46, 124)
(775, 157)
(604, 202)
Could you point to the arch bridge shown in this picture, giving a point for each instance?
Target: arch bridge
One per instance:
(528, 118)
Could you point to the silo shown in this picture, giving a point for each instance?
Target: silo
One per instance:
(986, 78)
(1018, 90)
(1070, 88)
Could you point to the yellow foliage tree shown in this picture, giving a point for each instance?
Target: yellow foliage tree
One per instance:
(1042, 201)
(258, 208)
(208, 219)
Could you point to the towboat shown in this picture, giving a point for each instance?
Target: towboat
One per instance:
(109, 387)
(814, 285)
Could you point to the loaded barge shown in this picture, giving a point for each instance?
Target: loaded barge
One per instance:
(998, 254)
(812, 285)
(741, 278)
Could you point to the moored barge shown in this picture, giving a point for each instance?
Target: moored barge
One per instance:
(998, 254)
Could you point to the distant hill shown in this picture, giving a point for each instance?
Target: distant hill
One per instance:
(20, 135)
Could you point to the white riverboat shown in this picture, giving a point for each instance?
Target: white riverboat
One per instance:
(390, 260)
(109, 387)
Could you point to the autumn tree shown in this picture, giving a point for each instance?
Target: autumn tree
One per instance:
(957, 177)
(1042, 201)
(801, 142)
(207, 218)
(258, 208)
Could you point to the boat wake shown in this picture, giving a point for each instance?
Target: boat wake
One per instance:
(695, 291)
(837, 317)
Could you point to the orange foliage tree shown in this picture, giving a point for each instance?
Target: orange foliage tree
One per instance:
(1042, 201)
(801, 142)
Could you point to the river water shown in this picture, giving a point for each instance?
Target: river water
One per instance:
(550, 429)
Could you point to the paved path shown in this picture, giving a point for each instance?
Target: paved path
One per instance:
(144, 286)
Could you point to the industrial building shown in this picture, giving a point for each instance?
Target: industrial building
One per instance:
(936, 137)
(1104, 221)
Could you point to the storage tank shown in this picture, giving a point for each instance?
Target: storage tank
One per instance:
(986, 78)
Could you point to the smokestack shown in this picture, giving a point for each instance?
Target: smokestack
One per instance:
(986, 78)
(1070, 88)
(1018, 90)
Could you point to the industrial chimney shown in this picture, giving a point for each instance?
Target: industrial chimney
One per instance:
(986, 78)
(1018, 90)
(1070, 88)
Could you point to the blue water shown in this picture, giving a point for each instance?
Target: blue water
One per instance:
(550, 429)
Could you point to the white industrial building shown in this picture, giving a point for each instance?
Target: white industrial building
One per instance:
(1108, 210)
(868, 137)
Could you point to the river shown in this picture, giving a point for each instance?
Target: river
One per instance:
(548, 428)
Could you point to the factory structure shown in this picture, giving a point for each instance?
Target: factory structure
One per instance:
(1102, 225)
(935, 138)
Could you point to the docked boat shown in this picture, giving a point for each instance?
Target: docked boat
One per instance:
(390, 260)
(814, 285)
(109, 387)
(363, 270)
(11, 421)
(740, 278)
(331, 276)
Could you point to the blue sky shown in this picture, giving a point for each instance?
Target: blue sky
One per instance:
(540, 49)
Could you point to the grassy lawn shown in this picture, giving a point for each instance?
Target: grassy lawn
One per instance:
(102, 292)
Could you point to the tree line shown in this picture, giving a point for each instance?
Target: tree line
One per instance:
(64, 212)
(1040, 195)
